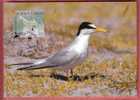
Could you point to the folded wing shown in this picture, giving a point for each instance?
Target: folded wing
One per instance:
(62, 58)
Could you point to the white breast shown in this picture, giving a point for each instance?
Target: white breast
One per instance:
(80, 44)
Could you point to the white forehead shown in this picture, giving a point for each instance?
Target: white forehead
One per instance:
(92, 25)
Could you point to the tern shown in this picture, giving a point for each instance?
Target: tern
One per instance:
(70, 56)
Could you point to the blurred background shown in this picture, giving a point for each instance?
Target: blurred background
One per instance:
(112, 56)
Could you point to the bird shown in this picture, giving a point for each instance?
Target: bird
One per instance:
(70, 56)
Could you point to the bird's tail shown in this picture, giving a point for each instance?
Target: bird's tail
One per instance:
(23, 66)
(29, 66)
(19, 64)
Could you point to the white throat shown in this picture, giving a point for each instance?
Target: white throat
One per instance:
(80, 44)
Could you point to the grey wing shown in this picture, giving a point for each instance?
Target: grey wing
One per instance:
(59, 59)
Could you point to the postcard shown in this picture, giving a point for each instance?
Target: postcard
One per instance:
(70, 49)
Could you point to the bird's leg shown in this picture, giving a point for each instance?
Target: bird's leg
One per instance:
(71, 72)
(71, 75)
(53, 73)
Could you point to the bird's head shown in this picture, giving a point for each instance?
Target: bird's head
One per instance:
(86, 28)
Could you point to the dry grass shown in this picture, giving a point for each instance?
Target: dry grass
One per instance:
(111, 66)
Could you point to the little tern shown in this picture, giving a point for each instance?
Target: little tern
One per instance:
(68, 57)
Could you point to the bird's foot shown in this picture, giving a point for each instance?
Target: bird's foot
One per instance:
(74, 78)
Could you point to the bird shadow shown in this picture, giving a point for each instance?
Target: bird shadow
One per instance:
(74, 77)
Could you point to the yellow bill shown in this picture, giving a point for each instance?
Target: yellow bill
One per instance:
(98, 29)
